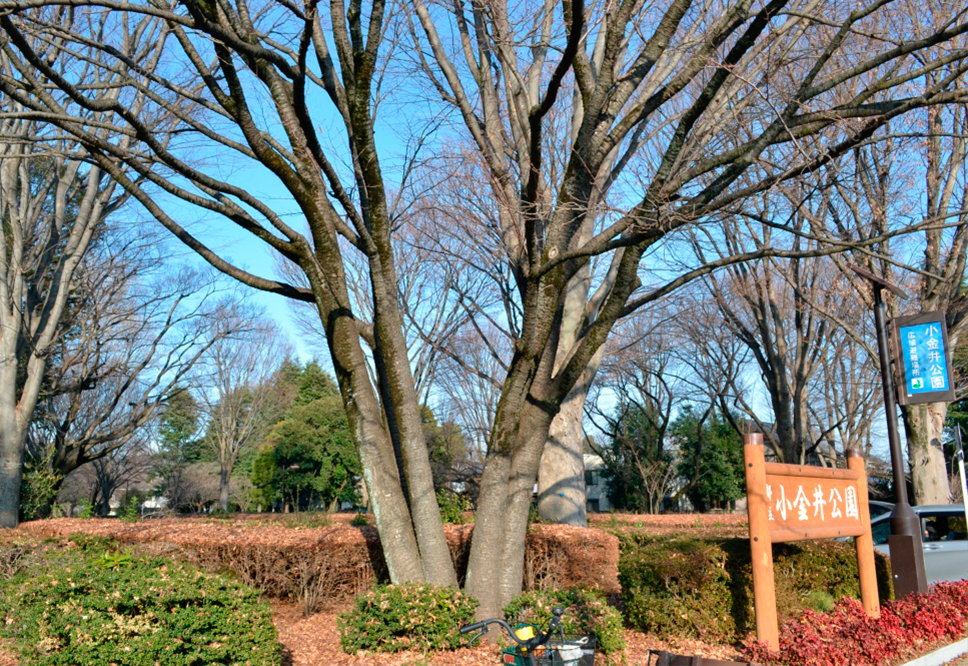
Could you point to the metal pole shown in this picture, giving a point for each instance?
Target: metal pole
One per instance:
(893, 438)
(907, 558)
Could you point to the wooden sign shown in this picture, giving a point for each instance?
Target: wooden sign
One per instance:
(798, 502)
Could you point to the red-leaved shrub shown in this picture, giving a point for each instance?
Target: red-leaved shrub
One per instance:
(846, 636)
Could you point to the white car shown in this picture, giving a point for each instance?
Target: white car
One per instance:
(944, 537)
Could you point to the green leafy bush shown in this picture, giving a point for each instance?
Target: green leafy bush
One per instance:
(452, 506)
(702, 588)
(38, 490)
(130, 511)
(85, 510)
(88, 605)
(392, 618)
(586, 613)
(359, 520)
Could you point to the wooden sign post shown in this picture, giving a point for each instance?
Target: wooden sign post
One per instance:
(799, 502)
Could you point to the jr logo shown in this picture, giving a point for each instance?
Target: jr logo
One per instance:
(917, 383)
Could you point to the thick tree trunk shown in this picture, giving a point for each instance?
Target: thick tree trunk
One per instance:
(535, 425)
(487, 548)
(223, 489)
(496, 563)
(11, 439)
(406, 427)
(924, 426)
(389, 506)
(365, 416)
(561, 475)
(11, 465)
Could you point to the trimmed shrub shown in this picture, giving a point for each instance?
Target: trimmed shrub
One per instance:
(846, 636)
(702, 588)
(393, 618)
(586, 613)
(89, 605)
(561, 556)
(331, 565)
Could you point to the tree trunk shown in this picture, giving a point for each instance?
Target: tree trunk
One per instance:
(561, 475)
(487, 548)
(924, 426)
(11, 441)
(363, 411)
(402, 406)
(496, 563)
(223, 489)
(11, 464)
(524, 472)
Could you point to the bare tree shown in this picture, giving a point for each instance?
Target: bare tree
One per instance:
(122, 468)
(54, 200)
(696, 137)
(922, 178)
(700, 107)
(236, 387)
(633, 403)
(779, 309)
(846, 396)
(137, 327)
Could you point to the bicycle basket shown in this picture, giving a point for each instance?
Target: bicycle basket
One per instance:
(567, 651)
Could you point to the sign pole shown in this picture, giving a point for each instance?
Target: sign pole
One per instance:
(864, 543)
(907, 558)
(761, 544)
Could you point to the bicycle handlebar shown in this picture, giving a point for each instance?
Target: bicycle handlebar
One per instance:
(540, 637)
(468, 628)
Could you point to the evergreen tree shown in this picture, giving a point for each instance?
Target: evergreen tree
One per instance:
(309, 457)
(638, 466)
(179, 445)
(711, 458)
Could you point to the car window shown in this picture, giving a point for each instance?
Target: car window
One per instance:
(943, 527)
(880, 532)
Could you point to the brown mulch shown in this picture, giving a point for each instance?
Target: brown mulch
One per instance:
(711, 525)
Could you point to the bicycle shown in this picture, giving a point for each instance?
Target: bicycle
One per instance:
(535, 647)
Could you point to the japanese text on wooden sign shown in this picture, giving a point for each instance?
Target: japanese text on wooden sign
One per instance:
(795, 502)
(797, 506)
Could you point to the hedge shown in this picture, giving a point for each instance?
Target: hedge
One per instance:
(702, 588)
(88, 602)
(331, 565)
